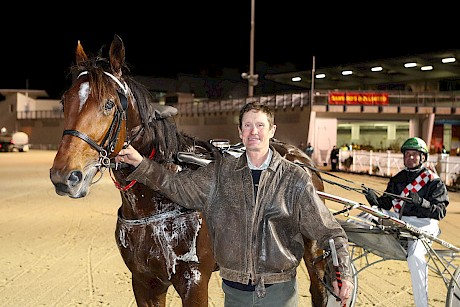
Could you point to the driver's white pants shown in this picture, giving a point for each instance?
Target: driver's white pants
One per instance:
(416, 257)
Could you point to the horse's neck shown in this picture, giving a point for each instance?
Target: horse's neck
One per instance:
(139, 201)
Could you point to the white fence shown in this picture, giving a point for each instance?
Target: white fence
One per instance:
(387, 164)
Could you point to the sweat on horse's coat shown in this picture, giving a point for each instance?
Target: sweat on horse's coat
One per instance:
(168, 235)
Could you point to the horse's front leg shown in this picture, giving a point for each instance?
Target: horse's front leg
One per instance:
(151, 293)
(191, 283)
(316, 272)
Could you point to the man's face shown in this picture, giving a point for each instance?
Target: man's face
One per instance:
(412, 158)
(255, 131)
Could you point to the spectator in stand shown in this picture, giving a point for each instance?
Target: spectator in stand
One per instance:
(444, 150)
(309, 150)
(334, 158)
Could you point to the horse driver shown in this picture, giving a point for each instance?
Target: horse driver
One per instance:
(257, 206)
(427, 207)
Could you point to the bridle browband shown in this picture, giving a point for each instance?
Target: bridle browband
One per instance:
(111, 137)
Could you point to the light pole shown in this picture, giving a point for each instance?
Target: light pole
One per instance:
(251, 77)
(313, 82)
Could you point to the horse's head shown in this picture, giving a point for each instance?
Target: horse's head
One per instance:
(103, 110)
(95, 111)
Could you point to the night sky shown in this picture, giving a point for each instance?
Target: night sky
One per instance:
(202, 37)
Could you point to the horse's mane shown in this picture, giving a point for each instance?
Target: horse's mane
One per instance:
(159, 132)
(163, 132)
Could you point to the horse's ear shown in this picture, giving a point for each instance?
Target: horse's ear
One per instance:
(80, 55)
(117, 55)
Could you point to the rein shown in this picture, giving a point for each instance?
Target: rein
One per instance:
(133, 182)
(362, 189)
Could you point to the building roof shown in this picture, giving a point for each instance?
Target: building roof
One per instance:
(31, 93)
(393, 72)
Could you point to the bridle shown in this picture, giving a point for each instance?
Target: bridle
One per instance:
(108, 143)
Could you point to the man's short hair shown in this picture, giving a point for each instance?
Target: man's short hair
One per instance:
(258, 107)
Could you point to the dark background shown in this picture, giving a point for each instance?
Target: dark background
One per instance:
(204, 37)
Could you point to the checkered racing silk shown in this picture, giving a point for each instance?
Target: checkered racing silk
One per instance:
(415, 186)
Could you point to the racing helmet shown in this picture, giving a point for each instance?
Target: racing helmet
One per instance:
(415, 143)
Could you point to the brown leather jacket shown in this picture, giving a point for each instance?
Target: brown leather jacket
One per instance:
(258, 240)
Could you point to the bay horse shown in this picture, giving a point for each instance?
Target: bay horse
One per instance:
(161, 243)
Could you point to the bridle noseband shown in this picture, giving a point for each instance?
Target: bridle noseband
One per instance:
(111, 137)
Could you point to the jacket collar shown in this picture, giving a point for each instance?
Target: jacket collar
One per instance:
(276, 158)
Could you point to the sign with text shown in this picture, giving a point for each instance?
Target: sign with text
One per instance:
(358, 98)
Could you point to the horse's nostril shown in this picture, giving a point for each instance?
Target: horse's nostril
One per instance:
(75, 177)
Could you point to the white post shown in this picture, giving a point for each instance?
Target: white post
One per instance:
(370, 162)
(389, 173)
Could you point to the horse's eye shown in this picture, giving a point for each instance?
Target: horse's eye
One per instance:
(109, 105)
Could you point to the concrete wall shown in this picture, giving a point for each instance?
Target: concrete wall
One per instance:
(8, 113)
(43, 133)
(292, 125)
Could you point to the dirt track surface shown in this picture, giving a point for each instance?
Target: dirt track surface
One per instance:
(57, 251)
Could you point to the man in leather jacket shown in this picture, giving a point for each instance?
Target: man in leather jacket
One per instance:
(257, 207)
(423, 205)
